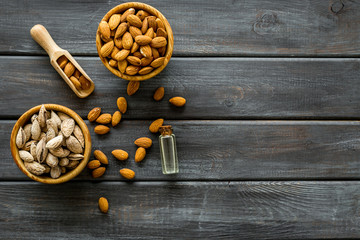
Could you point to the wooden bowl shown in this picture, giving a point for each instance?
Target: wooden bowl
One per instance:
(153, 11)
(45, 179)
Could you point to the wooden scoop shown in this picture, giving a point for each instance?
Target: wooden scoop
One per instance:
(43, 38)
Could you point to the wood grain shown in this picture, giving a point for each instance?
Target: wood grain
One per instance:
(227, 150)
(207, 210)
(215, 88)
(211, 28)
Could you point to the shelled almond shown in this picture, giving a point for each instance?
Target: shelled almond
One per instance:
(78, 80)
(138, 43)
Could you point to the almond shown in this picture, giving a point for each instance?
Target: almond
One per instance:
(145, 26)
(122, 66)
(20, 138)
(155, 125)
(159, 23)
(116, 118)
(134, 31)
(114, 52)
(93, 164)
(142, 40)
(114, 21)
(158, 42)
(160, 32)
(134, 60)
(107, 48)
(145, 70)
(121, 30)
(146, 61)
(113, 63)
(152, 22)
(99, 155)
(85, 84)
(132, 70)
(155, 53)
(162, 51)
(127, 13)
(158, 62)
(127, 173)
(144, 142)
(132, 87)
(62, 61)
(104, 118)
(127, 40)
(101, 129)
(146, 51)
(77, 74)
(103, 205)
(69, 69)
(138, 54)
(104, 30)
(134, 21)
(75, 82)
(120, 154)
(178, 101)
(140, 154)
(98, 172)
(122, 104)
(142, 14)
(94, 114)
(150, 33)
(118, 42)
(159, 94)
(121, 55)
(134, 47)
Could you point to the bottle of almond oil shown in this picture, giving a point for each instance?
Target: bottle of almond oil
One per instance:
(168, 152)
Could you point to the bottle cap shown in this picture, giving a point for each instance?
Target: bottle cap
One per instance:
(166, 130)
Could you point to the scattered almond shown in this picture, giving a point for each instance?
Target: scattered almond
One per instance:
(94, 114)
(104, 118)
(103, 205)
(116, 118)
(178, 101)
(127, 173)
(159, 94)
(93, 164)
(101, 129)
(99, 155)
(132, 87)
(122, 104)
(140, 154)
(98, 172)
(120, 154)
(155, 125)
(144, 142)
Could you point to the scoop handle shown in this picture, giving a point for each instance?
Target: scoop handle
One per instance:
(43, 38)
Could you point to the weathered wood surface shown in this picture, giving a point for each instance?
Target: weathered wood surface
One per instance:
(211, 28)
(215, 88)
(152, 210)
(228, 150)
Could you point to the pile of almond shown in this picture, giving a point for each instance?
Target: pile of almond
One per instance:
(52, 143)
(80, 82)
(133, 41)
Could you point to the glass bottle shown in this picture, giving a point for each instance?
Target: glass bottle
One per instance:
(169, 160)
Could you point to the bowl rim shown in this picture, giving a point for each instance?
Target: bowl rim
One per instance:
(170, 46)
(45, 179)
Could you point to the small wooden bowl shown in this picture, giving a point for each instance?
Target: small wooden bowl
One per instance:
(153, 11)
(45, 179)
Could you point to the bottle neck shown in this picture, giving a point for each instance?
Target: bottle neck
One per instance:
(166, 130)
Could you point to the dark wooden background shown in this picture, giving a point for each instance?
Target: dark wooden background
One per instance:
(268, 142)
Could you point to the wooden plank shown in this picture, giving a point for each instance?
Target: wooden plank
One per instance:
(215, 88)
(211, 28)
(152, 210)
(228, 150)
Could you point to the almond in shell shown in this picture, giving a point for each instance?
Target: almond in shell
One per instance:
(34, 167)
(74, 145)
(20, 138)
(67, 127)
(79, 135)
